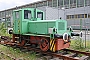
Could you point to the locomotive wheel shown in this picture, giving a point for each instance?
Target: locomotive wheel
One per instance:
(22, 43)
(44, 44)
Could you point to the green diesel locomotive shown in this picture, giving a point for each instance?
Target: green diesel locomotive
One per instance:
(30, 28)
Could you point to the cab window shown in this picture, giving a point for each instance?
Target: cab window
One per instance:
(40, 15)
(27, 14)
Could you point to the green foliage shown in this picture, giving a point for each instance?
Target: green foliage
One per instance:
(4, 57)
(79, 44)
(3, 30)
(17, 53)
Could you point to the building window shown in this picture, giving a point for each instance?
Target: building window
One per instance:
(3, 14)
(44, 3)
(72, 16)
(60, 3)
(72, 3)
(66, 3)
(87, 2)
(82, 15)
(37, 5)
(41, 4)
(50, 3)
(79, 16)
(67, 16)
(76, 16)
(85, 15)
(88, 15)
(80, 3)
(54, 3)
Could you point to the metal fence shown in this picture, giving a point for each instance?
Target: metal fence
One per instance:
(84, 40)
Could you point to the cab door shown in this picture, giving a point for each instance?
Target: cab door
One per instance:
(17, 22)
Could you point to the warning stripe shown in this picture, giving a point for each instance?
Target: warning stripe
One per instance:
(54, 48)
(51, 41)
(52, 45)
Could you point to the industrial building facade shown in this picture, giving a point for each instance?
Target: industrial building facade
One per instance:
(74, 10)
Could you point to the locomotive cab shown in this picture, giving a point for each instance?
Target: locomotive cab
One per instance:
(21, 18)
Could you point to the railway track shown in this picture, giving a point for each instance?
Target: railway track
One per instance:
(72, 55)
(65, 54)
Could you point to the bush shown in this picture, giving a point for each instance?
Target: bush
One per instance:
(3, 30)
(77, 43)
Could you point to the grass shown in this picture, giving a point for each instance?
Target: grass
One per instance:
(17, 53)
(3, 57)
(79, 44)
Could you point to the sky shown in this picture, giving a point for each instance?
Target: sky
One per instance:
(6, 4)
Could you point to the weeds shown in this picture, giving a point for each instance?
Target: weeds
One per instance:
(3, 30)
(78, 44)
(17, 53)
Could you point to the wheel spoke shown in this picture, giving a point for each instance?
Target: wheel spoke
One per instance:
(44, 45)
